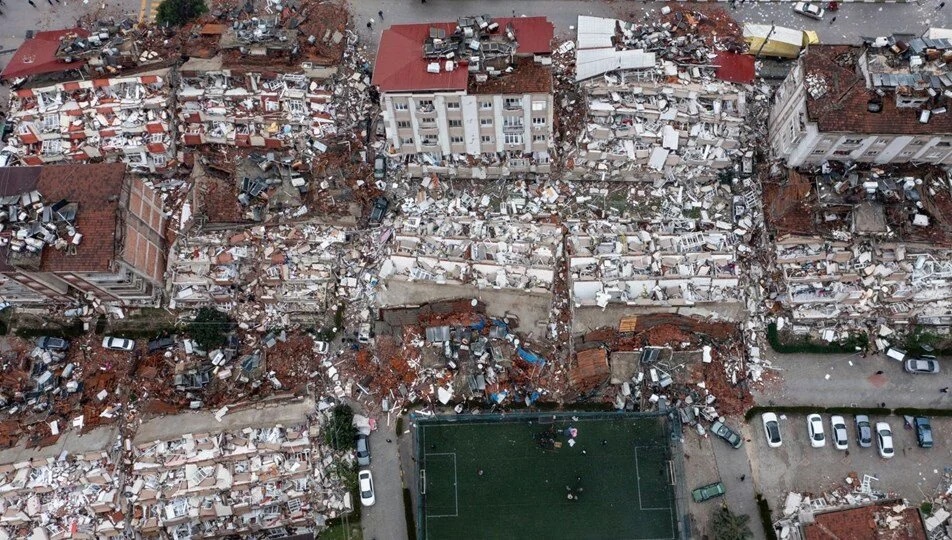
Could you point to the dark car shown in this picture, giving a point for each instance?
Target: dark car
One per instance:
(727, 434)
(380, 167)
(923, 431)
(708, 492)
(379, 210)
(52, 343)
(864, 431)
(158, 344)
(363, 450)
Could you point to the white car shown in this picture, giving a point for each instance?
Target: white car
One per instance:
(815, 429)
(118, 343)
(321, 347)
(771, 429)
(366, 483)
(809, 10)
(838, 432)
(884, 436)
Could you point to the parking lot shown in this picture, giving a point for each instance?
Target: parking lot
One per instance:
(914, 473)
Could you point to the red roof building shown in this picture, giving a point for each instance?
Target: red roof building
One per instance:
(37, 55)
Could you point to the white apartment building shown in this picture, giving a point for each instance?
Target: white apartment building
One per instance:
(882, 103)
(472, 98)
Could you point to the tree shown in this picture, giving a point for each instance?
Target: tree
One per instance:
(341, 432)
(726, 525)
(179, 12)
(209, 328)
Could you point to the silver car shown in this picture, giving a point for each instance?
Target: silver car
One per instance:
(864, 431)
(118, 343)
(809, 10)
(922, 365)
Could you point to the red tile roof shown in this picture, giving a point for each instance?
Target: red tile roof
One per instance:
(401, 67)
(843, 108)
(38, 55)
(860, 524)
(734, 67)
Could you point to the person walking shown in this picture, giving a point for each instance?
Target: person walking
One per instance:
(833, 20)
(31, 3)
(940, 6)
(370, 25)
(380, 13)
(880, 372)
(944, 390)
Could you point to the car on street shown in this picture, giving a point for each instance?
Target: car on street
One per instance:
(363, 450)
(815, 429)
(838, 432)
(884, 437)
(728, 434)
(365, 483)
(160, 343)
(864, 431)
(52, 343)
(923, 431)
(707, 492)
(771, 429)
(921, 365)
(809, 10)
(118, 343)
(321, 347)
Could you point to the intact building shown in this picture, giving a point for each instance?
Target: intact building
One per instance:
(885, 102)
(80, 232)
(472, 98)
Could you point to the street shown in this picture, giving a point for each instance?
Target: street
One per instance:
(386, 519)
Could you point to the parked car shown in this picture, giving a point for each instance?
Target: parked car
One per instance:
(321, 347)
(726, 433)
(922, 365)
(118, 343)
(707, 492)
(838, 432)
(771, 429)
(815, 429)
(884, 436)
(366, 484)
(160, 343)
(380, 167)
(923, 431)
(864, 431)
(52, 343)
(809, 10)
(363, 450)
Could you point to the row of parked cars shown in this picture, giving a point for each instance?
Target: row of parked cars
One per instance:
(109, 342)
(865, 432)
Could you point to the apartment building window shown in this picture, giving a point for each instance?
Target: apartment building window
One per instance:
(513, 138)
(538, 121)
(842, 153)
(157, 138)
(485, 105)
(485, 122)
(429, 122)
(52, 146)
(907, 153)
(159, 160)
(538, 138)
(512, 103)
(944, 143)
(485, 139)
(456, 123)
(452, 105)
(872, 153)
(425, 105)
(406, 140)
(882, 140)
(51, 121)
(456, 140)
(512, 121)
(538, 105)
(403, 124)
(916, 142)
(818, 152)
(401, 107)
(852, 141)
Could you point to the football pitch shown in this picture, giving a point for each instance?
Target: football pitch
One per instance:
(517, 476)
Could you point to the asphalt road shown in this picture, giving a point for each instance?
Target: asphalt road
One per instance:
(385, 520)
(844, 380)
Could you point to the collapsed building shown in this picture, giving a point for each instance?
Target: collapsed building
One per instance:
(655, 109)
(470, 99)
(883, 102)
(111, 119)
(80, 232)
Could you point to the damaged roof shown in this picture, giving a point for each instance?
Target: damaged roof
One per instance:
(38, 55)
(842, 97)
(401, 66)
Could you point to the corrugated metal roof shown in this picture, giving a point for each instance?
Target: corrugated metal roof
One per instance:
(595, 32)
(593, 62)
(401, 67)
(438, 334)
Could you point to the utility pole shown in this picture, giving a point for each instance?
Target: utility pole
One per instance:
(770, 33)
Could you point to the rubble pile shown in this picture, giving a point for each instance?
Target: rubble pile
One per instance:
(32, 223)
(244, 482)
(68, 496)
(654, 108)
(122, 118)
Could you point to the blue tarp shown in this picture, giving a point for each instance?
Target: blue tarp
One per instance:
(530, 357)
(499, 397)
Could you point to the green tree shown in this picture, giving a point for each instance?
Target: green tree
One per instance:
(341, 432)
(179, 12)
(726, 525)
(209, 328)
